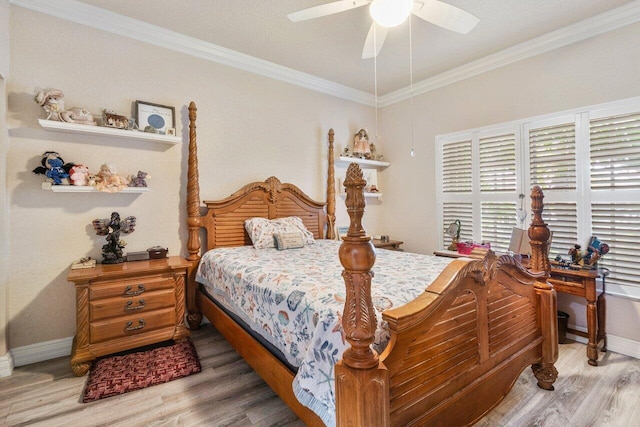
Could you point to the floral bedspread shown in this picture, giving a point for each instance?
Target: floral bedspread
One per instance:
(295, 298)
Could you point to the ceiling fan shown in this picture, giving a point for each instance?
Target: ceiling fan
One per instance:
(389, 13)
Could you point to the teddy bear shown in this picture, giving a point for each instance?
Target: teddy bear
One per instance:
(51, 160)
(56, 172)
(52, 101)
(139, 180)
(79, 174)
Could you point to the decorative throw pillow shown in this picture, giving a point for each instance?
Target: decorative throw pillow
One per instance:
(261, 230)
(284, 241)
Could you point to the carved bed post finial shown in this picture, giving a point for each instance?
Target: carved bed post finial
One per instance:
(538, 234)
(357, 256)
(362, 381)
(193, 190)
(331, 192)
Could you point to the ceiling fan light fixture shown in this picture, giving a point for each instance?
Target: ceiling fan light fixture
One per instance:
(390, 13)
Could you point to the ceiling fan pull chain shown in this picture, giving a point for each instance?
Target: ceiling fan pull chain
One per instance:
(413, 152)
(375, 78)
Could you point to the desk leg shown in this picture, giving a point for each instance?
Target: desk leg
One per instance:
(602, 316)
(592, 324)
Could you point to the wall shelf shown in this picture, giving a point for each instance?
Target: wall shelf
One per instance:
(88, 189)
(57, 126)
(346, 161)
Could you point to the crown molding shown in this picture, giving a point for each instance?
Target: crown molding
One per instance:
(599, 24)
(105, 20)
(101, 19)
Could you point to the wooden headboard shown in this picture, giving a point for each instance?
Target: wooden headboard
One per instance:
(270, 199)
(224, 219)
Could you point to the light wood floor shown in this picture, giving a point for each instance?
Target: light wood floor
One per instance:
(228, 393)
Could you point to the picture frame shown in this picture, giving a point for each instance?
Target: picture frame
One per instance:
(154, 118)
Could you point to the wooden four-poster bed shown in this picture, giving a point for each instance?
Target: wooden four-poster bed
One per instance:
(454, 351)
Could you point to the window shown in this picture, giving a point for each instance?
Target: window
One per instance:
(587, 162)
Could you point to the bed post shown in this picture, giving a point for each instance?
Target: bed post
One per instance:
(331, 192)
(193, 220)
(362, 381)
(539, 234)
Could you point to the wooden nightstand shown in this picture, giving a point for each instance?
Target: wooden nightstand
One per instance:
(394, 245)
(127, 305)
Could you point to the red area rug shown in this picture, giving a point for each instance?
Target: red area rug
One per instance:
(120, 374)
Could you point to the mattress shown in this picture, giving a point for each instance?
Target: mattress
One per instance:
(294, 299)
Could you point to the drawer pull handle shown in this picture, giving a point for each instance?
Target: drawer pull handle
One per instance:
(130, 307)
(130, 328)
(129, 291)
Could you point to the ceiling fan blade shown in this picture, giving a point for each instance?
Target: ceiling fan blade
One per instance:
(445, 15)
(326, 9)
(372, 45)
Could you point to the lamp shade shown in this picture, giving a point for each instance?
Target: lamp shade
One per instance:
(389, 13)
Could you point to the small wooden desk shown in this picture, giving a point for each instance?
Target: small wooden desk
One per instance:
(394, 245)
(583, 284)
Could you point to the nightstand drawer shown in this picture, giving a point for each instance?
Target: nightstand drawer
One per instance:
(130, 288)
(131, 325)
(122, 306)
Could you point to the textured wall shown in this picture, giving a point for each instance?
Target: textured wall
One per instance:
(249, 128)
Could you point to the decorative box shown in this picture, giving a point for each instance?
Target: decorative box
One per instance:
(465, 248)
(157, 252)
(137, 256)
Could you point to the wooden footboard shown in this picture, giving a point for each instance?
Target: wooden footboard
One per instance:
(457, 349)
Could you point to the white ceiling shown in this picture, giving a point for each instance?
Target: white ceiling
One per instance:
(330, 47)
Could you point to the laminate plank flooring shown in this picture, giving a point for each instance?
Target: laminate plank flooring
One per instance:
(228, 393)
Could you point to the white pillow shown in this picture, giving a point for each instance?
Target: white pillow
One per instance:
(261, 230)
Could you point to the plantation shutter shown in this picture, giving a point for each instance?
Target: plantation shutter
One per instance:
(456, 167)
(615, 184)
(498, 163)
(561, 219)
(462, 211)
(498, 220)
(552, 157)
(615, 152)
(552, 166)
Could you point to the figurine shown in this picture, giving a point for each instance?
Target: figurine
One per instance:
(112, 251)
(139, 180)
(91, 180)
(78, 175)
(52, 101)
(108, 180)
(361, 144)
(54, 168)
(595, 250)
(576, 254)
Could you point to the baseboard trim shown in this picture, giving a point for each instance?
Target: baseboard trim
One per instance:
(616, 344)
(39, 352)
(6, 365)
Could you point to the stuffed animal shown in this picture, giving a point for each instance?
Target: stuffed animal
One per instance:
(108, 179)
(139, 180)
(78, 175)
(52, 159)
(52, 101)
(56, 172)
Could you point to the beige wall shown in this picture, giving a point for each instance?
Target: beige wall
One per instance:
(249, 128)
(4, 138)
(601, 69)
